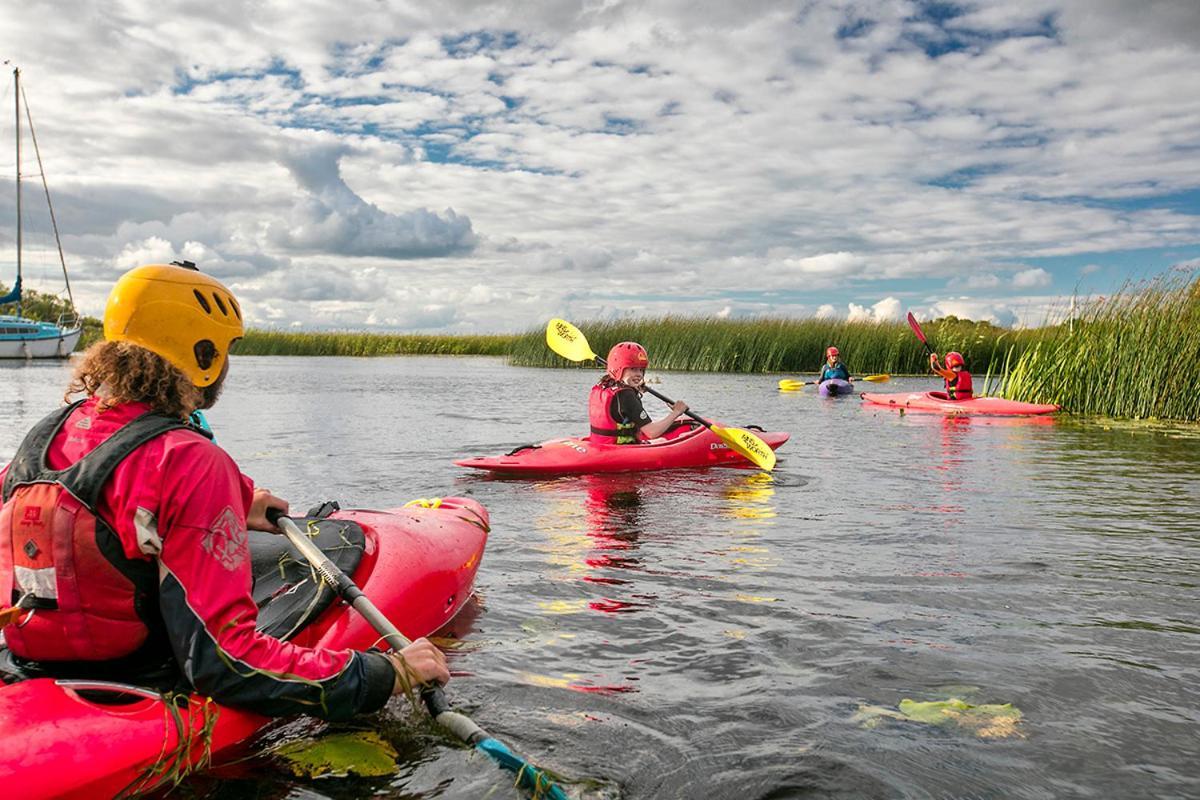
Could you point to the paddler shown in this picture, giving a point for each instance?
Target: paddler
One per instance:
(615, 405)
(123, 546)
(958, 380)
(833, 368)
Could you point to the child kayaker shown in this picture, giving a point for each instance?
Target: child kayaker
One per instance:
(833, 367)
(615, 405)
(958, 380)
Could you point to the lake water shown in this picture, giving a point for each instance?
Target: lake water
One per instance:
(717, 634)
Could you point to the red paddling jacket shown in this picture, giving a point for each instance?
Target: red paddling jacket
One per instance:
(123, 533)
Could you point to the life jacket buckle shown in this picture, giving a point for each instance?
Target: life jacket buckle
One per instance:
(26, 602)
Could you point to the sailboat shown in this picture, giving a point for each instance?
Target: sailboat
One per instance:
(21, 337)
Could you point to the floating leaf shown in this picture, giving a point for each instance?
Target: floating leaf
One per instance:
(871, 717)
(363, 753)
(988, 721)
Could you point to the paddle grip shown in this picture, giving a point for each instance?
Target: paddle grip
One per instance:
(460, 725)
(435, 700)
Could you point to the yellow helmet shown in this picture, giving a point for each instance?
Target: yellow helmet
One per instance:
(188, 318)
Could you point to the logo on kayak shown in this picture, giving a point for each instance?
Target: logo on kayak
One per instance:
(718, 446)
(226, 539)
(574, 445)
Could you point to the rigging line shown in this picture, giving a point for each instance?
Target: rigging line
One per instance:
(17, 110)
(46, 186)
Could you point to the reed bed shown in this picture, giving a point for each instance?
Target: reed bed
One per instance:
(784, 345)
(283, 343)
(1132, 355)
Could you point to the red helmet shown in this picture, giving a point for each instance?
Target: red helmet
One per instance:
(954, 359)
(832, 351)
(624, 356)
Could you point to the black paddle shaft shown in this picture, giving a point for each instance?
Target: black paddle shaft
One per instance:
(665, 399)
(432, 694)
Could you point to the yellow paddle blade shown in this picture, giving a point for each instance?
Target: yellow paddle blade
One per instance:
(876, 378)
(790, 385)
(568, 341)
(749, 446)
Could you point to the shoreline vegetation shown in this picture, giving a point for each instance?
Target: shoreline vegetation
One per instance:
(1134, 354)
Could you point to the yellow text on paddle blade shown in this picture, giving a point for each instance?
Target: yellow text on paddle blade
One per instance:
(568, 341)
(752, 448)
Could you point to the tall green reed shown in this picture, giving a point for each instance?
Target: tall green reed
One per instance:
(782, 345)
(1134, 354)
(285, 343)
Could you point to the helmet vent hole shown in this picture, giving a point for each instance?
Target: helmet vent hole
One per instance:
(233, 304)
(220, 304)
(206, 353)
(202, 301)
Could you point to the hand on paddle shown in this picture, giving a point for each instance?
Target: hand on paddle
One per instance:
(256, 516)
(418, 663)
(570, 343)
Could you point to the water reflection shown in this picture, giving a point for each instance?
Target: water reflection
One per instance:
(750, 498)
(614, 521)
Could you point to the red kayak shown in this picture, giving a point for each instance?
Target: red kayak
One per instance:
(938, 402)
(681, 448)
(92, 739)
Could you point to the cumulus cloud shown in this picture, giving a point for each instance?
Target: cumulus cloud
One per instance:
(1032, 278)
(575, 260)
(403, 149)
(332, 219)
(826, 311)
(889, 309)
(978, 310)
(985, 280)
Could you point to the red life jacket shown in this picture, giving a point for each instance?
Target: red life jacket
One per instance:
(960, 387)
(60, 560)
(605, 428)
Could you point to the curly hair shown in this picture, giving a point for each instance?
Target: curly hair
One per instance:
(132, 374)
(609, 382)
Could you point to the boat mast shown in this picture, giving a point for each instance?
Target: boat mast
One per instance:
(46, 186)
(17, 102)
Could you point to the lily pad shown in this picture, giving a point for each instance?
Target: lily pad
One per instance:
(987, 721)
(363, 753)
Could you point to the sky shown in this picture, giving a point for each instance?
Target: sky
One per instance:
(475, 167)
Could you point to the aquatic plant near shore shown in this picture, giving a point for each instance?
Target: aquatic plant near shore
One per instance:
(1134, 354)
(259, 342)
